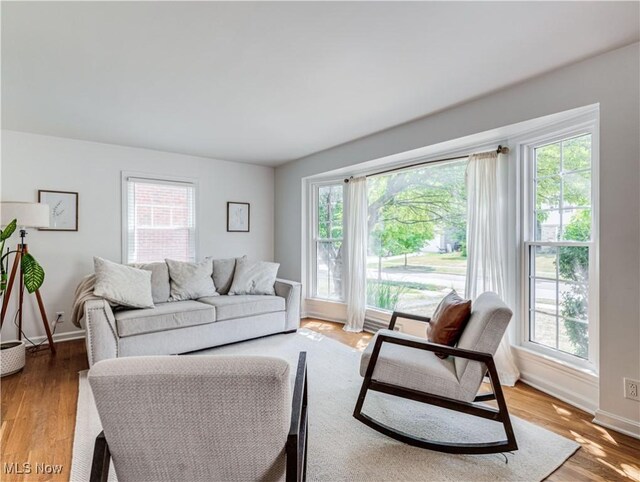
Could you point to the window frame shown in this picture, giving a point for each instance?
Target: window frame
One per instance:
(526, 152)
(160, 179)
(315, 239)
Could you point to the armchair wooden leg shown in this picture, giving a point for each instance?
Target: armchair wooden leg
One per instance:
(101, 460)
(296, 447)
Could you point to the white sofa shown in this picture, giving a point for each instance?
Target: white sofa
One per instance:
(174, 327)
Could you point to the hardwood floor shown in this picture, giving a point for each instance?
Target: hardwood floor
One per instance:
(39, 406)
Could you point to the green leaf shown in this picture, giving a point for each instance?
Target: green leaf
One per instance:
(8, 230)
(32, 272)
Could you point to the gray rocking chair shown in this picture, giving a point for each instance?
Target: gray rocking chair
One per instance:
(406, 366)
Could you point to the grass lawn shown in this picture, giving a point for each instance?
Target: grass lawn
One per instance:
(450, 263)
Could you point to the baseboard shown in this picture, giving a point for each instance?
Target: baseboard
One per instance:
(619, 424)
(57, 337)
(560, 393)
(322, 317)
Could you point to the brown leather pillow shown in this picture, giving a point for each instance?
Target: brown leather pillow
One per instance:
(449, 320)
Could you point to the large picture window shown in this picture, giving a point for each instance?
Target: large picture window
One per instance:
(560, 245)
(328, 237)
(159, 220)
(417, 237)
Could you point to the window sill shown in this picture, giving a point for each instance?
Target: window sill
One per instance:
(558, 363)
(324, 300)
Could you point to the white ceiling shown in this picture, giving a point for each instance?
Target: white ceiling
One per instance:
(270, 82)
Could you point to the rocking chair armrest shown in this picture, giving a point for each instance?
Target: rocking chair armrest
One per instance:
(296, 445)
(409, 316)
(486, 358)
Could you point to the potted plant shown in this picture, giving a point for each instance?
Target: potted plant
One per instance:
(12, 353)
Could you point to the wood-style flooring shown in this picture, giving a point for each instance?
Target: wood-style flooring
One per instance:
(39, 406)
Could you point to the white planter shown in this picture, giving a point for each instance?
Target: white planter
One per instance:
(11, 357)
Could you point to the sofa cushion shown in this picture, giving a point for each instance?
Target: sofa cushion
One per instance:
(165, 316)
(238, 306)
(223, 270)
(413, 368)
(122, 285)
(254, 278)
(160, 288)
(190, 281)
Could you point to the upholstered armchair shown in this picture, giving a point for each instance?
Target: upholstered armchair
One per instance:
(200, 418)
(407, 367)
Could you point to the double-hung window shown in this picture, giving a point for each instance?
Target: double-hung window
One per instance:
(159, 219)
(328, 231)
(560, 246)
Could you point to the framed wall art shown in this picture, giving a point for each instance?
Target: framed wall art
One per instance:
(63, 209)
(238, 217)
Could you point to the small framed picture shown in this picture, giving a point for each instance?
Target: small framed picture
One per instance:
(238, 217)
(63, 209)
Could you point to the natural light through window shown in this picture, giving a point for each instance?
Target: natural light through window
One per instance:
(561, 247)
(328, 234)
(417, 237)
(160, 220)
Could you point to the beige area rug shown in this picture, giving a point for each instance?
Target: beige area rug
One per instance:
(343, 449)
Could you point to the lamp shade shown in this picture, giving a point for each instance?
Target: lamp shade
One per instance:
(29, 215)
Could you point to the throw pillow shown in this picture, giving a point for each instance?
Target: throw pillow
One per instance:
(449, 320)
(223, 271)
(190, 281)
(122, 285)
(254, 278)
(160, 289)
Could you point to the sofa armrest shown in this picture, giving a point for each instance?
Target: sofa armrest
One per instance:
(101, 334)
(291, 291)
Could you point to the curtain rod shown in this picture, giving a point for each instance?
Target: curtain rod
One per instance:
(499, 150)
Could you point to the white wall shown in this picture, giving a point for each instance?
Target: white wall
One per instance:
(612, 80)
(31, 162)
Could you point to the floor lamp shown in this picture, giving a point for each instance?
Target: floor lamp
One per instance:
(29, 215)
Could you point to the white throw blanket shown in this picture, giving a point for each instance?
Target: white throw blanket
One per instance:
(84, 293)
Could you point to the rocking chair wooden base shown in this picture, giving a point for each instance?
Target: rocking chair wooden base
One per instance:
(500, 415)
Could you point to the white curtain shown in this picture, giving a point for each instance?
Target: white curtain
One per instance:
(356, 253)
(487, 241)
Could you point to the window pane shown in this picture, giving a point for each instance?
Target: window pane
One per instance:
(417, 237)
(574, 296)
(576, 189)
(144, 215)
(576, 225)
(574, 302)
(329, 270)
(544, 262)
(162, 216)
(543, 329)
(571, 300)
(547, 225)
(161, 221)
(544, 297)
(548, 160)
(330, 212)
(559, 284)
(576, 153)
(574, 263)
(573, 337)
(548, 193)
